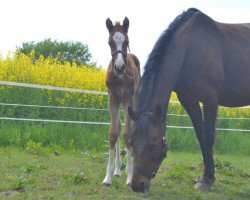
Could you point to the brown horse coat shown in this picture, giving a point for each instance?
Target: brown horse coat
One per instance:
(203, 61)
(122, 81)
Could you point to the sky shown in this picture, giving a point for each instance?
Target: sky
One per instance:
(84, 21)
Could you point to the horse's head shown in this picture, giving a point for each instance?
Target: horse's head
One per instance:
(118, 42)
(149, 146)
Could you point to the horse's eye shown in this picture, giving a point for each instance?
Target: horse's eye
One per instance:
(153, 143)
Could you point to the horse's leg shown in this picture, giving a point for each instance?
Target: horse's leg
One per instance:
(205, 135)
(193, 109)
(127, 130)
(210, 113)
(113, 137)
(118, 161)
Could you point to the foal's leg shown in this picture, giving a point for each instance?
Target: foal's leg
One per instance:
(113, 138)
(127, 130)
(118, 161)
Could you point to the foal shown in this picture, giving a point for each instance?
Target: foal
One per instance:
(122, 81)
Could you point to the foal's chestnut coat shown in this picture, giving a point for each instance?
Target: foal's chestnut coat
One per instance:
(122, 81)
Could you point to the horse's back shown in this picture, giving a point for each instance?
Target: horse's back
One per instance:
(235, 90)
(231, 55)
(217, 61)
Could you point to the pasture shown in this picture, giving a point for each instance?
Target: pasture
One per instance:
(40, 173)
(65, 160)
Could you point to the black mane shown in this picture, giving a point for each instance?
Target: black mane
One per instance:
(155, 57)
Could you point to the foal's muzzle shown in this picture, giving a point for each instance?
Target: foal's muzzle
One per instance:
(119, 67)
(119, 70)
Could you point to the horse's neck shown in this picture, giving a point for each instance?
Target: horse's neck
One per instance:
(165, 80)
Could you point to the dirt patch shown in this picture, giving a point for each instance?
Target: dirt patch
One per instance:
(12, 192)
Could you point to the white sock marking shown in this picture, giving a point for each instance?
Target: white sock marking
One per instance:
(129, 167)
(118, 162)
(110, 168)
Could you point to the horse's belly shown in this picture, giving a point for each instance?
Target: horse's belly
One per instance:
(234, 98)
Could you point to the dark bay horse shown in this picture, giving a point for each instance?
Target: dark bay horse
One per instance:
(122, 81)
(202, 61)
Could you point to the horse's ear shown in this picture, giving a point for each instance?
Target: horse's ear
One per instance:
(125, 24)
(158, 112)
(109, 25)
(132, 114)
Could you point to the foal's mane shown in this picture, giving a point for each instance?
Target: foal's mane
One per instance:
(152, 65)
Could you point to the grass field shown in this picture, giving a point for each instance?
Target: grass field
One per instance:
(94, 137)
(41, 160)
(84, 137)
(38, 173)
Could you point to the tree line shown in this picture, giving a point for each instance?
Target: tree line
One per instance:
(69, 51)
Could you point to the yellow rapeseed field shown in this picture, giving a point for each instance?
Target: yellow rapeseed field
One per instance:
(21, 68)
(48, 71)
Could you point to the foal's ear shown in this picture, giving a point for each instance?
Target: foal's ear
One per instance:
(157, 112)
(109, 25)
(125, 24)
(132, 114)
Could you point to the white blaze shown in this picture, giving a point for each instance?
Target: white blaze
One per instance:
(119, 38)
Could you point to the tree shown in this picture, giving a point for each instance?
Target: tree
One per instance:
(64, 51)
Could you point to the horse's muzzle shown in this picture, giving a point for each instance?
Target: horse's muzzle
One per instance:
(140, 186)
(139, 182)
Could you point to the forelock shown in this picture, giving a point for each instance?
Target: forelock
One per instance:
(142, 124)
(118, 27)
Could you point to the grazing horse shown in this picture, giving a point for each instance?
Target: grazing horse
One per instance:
(122, 81)
(202, 61)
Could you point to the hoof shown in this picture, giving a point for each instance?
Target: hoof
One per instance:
(117, 175)
(128, 184)
(202, 186)
(106, 184)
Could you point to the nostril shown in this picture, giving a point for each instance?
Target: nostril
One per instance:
(119, 69)
(142, 186)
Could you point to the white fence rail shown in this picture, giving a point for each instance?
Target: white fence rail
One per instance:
(104, 109)
(48, 87)
(105, 123)
(76, 108)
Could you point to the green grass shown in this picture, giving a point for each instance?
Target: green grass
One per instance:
(94, 137)
(85, 137)
(40, 173)
(67, 136)
(68, 161)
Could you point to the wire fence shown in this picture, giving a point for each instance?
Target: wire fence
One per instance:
(92, 109)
